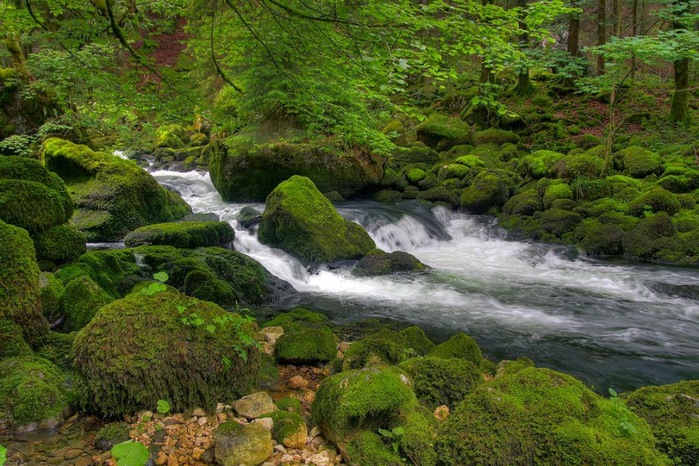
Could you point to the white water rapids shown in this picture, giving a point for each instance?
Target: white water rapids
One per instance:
(615, 325)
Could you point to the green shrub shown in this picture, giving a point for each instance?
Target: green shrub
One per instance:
(439, 381)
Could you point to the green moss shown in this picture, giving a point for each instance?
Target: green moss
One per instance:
(603, 240)
(60, 244)
(588, 141)
(582, 165)
(368, 448)
(495, 136)
(416, 153)
(441, 194)
(387, 196)
(453, 170)
(378, 262)
(20, 297)
(110, 435)
(21, 168)
(290, 404)
(439, 128)
(32, 205)
(182, 234)
(539, 416)
(13, 343)
(268, 376)
(31, 391)
(526, 203)
(115, 271)
(646, 237)
(383, 347)
(140, 349)
(587, 189)
(112, 196)
(639, 162)
(488, 190)
(368, 398)
(556, 191)
(470, 161)
(81, 301)
(539, 164)
(414, 175)
(298, 219)
(438, 381)
(298, 318)
(417, 340)
(673, 414)
(173, 136)
(559, 221)
(459, 346)
(51, 290)
(655, 200)
(306, 346)
(56, 348)
(286, 425)
(510, 367)
(418, 439)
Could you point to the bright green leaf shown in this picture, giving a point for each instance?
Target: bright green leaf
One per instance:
(130, 453)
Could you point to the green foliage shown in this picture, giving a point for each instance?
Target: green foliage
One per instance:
(3, 455)
(394, 436)
(163, 407)
(130, 453)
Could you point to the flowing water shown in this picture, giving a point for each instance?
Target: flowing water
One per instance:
(620, 325)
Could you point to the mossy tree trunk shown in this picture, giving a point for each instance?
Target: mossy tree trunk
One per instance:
(524, 85)
(679, 112)
(601, 32)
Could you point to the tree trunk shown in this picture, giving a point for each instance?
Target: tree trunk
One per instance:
(573, 45)
(679, 112)
(601, 32)
(524, 85)
(634, 33)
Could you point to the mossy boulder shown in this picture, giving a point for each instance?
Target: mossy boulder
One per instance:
(32, 205)
(580, 165)
(649, 236)
(441, 194)
(299, 220)
(673, 414)
(639, 162)
(368, 448)
(559, 221)
(588, 141)
(524, 203)
(13, 343)
(115, 271)
(81, 301)
(539, 164)
(182, 234)
(308, 345)
(440, 381)
(654, 201)
(112, 196)
(143, 348)
(378, 262)
(60, 244)
(56, 348)
(236, 444)
(495, 136)
(32, 392)
(51, 290)
(441, 131)
(539, 416)
(488, 190)
(416, 340)
(413, 175)
(460, 346)
(110, 435)
(556, 191)
(244, 171)
(289, 429)
(415, 153)
(383, 347)
(172, 136)
(603, 240)
(20, 296)
(363, 399)
(298, 318)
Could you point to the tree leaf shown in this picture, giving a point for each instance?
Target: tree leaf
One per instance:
(130, 453)
(3, 455)
(162, 277)
(163, 407)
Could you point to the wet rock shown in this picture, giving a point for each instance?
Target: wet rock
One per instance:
(236, 444)
(254, 406)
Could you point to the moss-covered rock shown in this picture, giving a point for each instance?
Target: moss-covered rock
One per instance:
(298, 219)
(559, 221)
(60, 244)
(639, 162)
(441, 132)
(413, 175)
(416, 340)
(20, 296)
(368, 448)
(110, 435)
(298, 318)
(32, 392)
(13, 343)
(588, 141)
(289, 429)
(182, 234)
(415, 153)
(441, 194)
(488, 190)
(539, 164)
(378, 262)
(654, 201)
(172, 136)
(603, 240)
(115, 271)
(112, 196)
(51, 290)
(383, 347)
(32, 205)
(539, 416)
(367, 399)
(248, 172)
(495, 136)
(236, 444)
(556, 191)
(144, 348)
(673, 414)
(525, 203)
(459, 346)
(81, 301)
(56, 348)
(306, 346)
(581, 165)
(440, 381)
(647, 236)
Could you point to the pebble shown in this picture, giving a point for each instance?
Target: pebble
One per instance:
(297, 382)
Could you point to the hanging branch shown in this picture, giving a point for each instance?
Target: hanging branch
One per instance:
(219, 71)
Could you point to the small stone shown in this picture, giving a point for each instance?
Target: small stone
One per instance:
(287, 459)
(220, 417)
(83, 461)
(72, 453)
(202, 421)
(197, 452)
(219, 408)
(297, 382)
(270, 334)
(161, 459)
(318, 441)
(267, 348)
(237, 444)
(315, 431)
(280, 448)
(321, 459)
(267, 422)
(441, 413)
(344, 346)
(255, 405)
(199, 412)
(146, 416)
(172, 460)
(306, 396)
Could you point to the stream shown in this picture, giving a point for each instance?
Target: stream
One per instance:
(618, 325)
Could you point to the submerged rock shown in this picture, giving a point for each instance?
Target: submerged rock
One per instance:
(182, 234)
(378, 262)
(301, 221)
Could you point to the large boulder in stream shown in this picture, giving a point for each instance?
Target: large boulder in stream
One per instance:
(112, 196)
(301, 221)
(183, 234)
(155, 345)
(245, 171)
